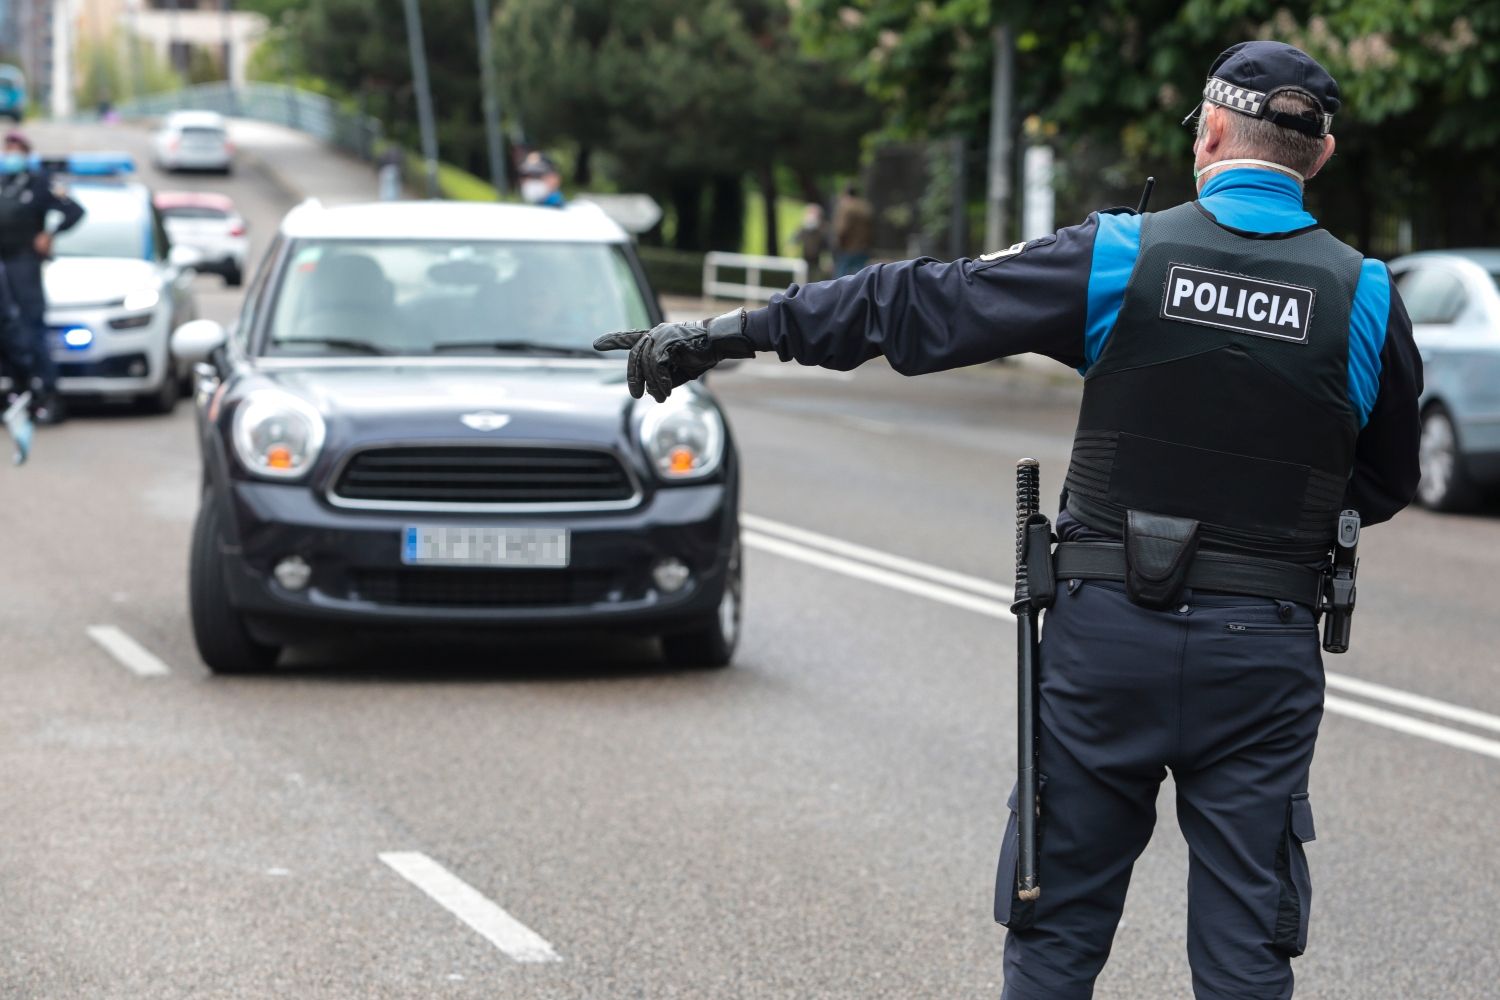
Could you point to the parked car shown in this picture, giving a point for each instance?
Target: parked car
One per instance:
(193, 140)
(1453, 298)
(408, 429)
(116, 288)
(12, 92)
(210, 224)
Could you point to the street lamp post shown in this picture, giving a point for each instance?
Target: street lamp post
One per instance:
(424, 95)
(490, 96)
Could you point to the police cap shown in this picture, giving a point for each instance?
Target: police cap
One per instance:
(537, 165)
(1247, 76)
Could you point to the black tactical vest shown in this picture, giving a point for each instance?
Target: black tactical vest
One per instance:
(1222, 393)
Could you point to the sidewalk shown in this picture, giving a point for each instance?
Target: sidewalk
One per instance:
(302, 166)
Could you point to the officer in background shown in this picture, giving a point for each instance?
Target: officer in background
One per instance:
(1247, 376)
(541, 183)
(27, 195)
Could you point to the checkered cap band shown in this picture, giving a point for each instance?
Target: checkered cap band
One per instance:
(1248, 102)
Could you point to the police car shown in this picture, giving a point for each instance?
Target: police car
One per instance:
(115, 288)
(409, 429)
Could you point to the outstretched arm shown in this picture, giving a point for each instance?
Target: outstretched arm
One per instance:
(921, 315)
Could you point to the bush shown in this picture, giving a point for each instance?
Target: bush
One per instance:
(673, 272)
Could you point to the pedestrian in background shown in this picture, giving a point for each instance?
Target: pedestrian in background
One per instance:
(27, 195)
(1247, 378)
(541, 183)
(853, 232)
(811, 239)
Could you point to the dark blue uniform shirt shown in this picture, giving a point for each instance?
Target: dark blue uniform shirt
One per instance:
(1059, 296)
(33, 196)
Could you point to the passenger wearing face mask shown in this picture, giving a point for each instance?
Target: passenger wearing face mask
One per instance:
(541, 184)
(27, 196)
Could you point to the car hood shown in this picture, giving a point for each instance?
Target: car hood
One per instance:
(474, 399)
(90, 281)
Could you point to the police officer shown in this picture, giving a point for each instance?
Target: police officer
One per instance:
(1246, 376)
(27, 195)
(541, 182)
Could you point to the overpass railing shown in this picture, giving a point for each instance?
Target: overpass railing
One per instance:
(303, 110)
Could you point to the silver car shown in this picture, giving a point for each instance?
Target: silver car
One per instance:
(1453, 297)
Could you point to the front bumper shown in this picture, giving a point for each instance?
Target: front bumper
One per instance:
(358, 578)
(117, 363)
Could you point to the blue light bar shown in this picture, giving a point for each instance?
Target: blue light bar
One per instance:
(87, 164)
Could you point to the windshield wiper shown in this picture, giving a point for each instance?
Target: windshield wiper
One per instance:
(516, 346)
(363, 347)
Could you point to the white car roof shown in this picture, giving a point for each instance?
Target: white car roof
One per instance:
(202, 119)
(451, 220)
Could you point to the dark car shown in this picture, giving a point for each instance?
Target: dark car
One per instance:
(408, 429)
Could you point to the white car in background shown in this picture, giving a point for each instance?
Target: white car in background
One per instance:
(209, 224)
(116, 288)
(193, 140)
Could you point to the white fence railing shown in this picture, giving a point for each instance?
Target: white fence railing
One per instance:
(752, 264)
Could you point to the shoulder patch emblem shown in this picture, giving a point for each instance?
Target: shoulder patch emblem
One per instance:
(1237, 302)
(1009, 251)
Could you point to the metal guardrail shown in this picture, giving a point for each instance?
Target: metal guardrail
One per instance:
(303, 110)
(752, 265)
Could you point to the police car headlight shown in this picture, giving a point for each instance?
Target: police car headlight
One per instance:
(683, 437)
(277, 435)
(141, 299)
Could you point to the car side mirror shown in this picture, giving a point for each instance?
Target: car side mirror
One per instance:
(194, 341)
(184, 258)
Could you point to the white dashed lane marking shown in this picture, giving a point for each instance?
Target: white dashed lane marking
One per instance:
(471, 906)
(131, 655)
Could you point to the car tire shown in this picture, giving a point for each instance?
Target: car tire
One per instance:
(233, 276)
(1445, 484)
(711, 641)
(164, 399)
(218, 630)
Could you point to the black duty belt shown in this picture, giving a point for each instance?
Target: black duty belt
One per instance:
(1230, 574)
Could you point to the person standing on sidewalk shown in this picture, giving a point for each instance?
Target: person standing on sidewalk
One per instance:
(27, 195)
(1247, 378)
(811, 239)
(853, 232)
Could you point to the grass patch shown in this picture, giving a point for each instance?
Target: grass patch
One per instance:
(788, 218)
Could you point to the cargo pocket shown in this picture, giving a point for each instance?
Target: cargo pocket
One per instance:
(1010, 911)
(1296, 883)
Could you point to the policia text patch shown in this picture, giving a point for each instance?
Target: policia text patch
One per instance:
(1235, 302)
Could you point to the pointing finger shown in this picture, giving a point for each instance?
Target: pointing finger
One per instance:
(619, 341)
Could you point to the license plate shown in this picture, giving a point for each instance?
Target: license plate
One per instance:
(464, 545)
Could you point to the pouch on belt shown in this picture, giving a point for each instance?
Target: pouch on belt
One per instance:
(1159, 549)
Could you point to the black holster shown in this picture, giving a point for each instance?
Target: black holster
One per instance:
(1041, 580)
(1159, 550)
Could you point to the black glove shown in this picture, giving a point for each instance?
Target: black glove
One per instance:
(667, 355)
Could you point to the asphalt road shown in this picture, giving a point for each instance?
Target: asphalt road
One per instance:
(820, 820)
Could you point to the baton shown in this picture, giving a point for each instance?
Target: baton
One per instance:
(1028, 494)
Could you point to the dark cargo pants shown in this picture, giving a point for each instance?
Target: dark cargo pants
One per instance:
(1225, 691)
(23, 273)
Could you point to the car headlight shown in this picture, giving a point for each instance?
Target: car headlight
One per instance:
(141, 299)
(277, 435)
(683, 438)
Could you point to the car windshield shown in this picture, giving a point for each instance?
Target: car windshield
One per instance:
(419, 297)
(116, 223)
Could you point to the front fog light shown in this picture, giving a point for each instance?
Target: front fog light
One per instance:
(293, 573)
(137, 369)
(670, 575)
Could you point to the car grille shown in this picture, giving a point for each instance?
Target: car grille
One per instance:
(470, 588)
(438, 476)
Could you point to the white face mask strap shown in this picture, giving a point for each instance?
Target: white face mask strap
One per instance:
(1250, 163)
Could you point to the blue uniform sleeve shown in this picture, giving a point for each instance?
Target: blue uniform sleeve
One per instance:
(52, 200)
(927, 316)
(1385, 455)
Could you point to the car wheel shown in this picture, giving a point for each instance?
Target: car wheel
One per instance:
(233, 276)
(1445, 481)
(711, 642)
(164, 399)
(218, 630)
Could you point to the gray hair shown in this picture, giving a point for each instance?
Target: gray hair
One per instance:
(1257, 139)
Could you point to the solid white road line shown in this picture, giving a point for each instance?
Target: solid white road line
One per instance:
(1415, 702)
(131, 654)
(1413, 727)
(962, 591)
(469, 905)
(874, 574)
(838, 546)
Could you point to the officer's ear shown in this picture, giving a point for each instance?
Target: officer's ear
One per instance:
(1323, 158)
